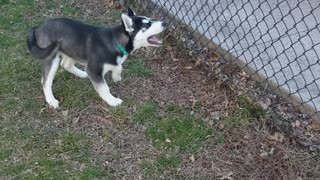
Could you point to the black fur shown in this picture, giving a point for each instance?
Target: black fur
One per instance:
(38, 52)
(130, 12)
(97, 48)
(79, 40)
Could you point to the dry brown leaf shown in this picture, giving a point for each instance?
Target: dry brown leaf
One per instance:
(315, 125)
(65, 113)
(198, 62)
(297, 123)
(264, 154)
(214, 57)
(169, 48)
(243, 76)
(192, 158)
(221, 126)
(247, 136)
(174, 68)
(228, 176)
(193, 103)
(276, 137)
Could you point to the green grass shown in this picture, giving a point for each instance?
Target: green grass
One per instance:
(95, 173)
(5, 153)
(178, 135)
(45, 144)
(168, 161)
(53, 169)
(175, 134)
(245, 114)
(146, 113)
(41, 144)
(38, 143)
(162, 167)
(136, 69)
(121, 114)
(252, 109)
(66, 88)
(184, 133)
(48, 169)
(34, 144)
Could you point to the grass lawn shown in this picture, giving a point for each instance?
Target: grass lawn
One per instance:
(40, 143)
(87, 139)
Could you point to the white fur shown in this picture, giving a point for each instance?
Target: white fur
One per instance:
(107, 68)
(117, 70)
(47, 85)
(103, 88)
(145, 21)
(68, 64)
(116, 73)
(120, 60)
(127, 21)
(104, 92)
(141, 39)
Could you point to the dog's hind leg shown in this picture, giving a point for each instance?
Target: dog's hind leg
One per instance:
(50, 68)
(68, 64)
(100, 85)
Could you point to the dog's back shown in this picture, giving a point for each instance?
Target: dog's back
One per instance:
(68, 35)
(100, 49)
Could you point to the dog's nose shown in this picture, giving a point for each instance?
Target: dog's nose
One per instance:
(164, 24)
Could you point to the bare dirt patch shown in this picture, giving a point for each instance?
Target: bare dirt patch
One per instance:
(178, 78)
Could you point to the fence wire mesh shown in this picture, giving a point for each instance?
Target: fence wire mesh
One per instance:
(278, 40)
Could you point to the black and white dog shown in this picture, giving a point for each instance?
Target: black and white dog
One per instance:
(99, 49)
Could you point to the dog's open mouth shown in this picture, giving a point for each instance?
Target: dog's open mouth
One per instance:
(154, 40)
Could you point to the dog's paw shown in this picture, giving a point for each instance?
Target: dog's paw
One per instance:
(115, 102)
(116, 78)
(54, 104)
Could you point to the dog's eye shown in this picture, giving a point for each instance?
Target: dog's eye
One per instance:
(146, 25)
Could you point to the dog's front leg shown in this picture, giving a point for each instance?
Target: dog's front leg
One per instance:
(104, 92)
(96, 76)
(116, 73)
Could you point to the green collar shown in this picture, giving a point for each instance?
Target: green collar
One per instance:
(122, 49)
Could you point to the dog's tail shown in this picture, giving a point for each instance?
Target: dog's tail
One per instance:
(38, 52)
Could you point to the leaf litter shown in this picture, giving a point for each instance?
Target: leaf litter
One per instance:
(266, 149)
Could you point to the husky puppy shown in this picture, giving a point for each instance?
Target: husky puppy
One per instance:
(99, 49)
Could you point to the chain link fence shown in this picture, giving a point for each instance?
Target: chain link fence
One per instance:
(276, 42)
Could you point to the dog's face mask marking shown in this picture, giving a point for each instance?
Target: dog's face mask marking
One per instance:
(143, 30)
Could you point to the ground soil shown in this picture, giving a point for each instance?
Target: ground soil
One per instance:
(250, 153)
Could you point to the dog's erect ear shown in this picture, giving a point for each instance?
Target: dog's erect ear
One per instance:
(131, 12)
(127, 22)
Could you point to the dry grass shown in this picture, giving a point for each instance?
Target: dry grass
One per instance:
(179, 121)
(251, 154)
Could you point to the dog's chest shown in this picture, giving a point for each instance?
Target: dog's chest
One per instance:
(120, 60)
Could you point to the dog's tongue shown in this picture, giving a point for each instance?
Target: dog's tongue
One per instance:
(154, 40)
